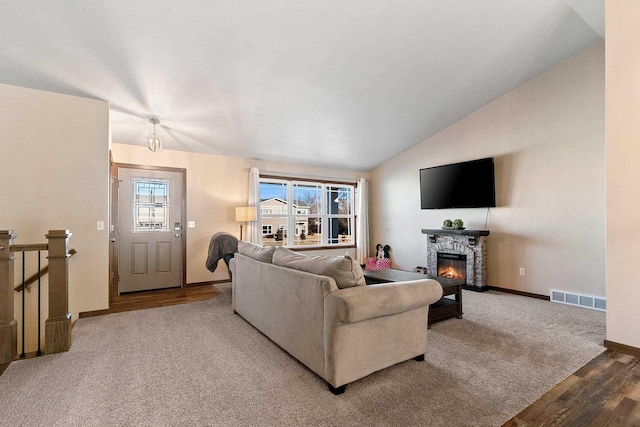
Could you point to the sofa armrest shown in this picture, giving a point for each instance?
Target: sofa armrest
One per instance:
(232, 266)
(367, 302)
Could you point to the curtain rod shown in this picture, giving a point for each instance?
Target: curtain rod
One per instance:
(301, 176)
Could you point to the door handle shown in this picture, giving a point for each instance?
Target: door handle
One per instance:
(177, 234)
(113, 240)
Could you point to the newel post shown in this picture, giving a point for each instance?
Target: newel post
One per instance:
(57, 332)
(8, 325)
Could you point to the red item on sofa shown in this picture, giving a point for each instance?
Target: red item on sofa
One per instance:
(373, 263)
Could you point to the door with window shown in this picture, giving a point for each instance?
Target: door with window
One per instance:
(149, 229)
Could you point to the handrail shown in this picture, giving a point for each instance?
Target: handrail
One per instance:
(57, 334)
(28, 248)
(31, 280)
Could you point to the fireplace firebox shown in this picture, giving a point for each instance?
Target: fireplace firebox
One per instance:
(453, 266)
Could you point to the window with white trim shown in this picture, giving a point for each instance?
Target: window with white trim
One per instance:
(320, 214)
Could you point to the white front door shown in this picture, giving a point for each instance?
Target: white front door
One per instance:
(150, 243)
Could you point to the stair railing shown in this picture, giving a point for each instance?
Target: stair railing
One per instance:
(58, 324)
(36, 277)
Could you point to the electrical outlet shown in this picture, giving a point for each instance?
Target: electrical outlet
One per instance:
(522, 272)
(191, 224)
(100, 225)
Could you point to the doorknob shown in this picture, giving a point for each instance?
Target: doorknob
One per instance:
(113, 240)
(177, 234)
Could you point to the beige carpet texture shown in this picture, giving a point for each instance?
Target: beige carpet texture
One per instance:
(200, 365)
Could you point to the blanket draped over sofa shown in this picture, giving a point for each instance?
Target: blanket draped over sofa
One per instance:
(340, 334)
(221, 246)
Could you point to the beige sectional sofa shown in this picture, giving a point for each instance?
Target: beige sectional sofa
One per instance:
(319, 310)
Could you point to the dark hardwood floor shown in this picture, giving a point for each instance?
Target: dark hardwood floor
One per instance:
(604, 392)
(159, 298)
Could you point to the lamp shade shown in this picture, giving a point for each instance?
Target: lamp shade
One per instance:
(246, 213)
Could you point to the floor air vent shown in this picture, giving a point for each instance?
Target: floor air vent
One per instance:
(586, 301)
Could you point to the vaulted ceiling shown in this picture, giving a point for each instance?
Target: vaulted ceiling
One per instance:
(347, 84)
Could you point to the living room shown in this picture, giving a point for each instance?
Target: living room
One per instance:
(561, 142)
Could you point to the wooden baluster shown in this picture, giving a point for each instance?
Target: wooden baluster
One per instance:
(57, 330)
(8, 325)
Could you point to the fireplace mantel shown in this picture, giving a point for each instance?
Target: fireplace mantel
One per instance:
(433, 233)
(447, 231)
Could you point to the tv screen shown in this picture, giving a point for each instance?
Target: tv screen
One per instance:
(459, 185)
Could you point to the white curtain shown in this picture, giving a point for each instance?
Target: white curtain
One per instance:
(362, 227)
(254, 194)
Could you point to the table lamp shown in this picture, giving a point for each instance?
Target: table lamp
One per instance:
(244, 215)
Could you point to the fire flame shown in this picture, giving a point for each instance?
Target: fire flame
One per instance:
(451, 273)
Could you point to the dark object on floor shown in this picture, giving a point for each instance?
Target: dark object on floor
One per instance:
(337, 390)
(222, 245)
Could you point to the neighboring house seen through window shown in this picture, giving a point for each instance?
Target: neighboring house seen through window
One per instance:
(320, 214)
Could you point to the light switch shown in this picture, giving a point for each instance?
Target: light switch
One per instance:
(100, 225)
(191, 224)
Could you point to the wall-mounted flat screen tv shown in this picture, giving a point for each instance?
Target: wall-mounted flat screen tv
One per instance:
(459, 185)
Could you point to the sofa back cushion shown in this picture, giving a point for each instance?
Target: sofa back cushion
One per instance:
(344, 270)
(256, 252)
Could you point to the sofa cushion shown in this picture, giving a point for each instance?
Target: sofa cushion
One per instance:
(256, 252)
(344, 270)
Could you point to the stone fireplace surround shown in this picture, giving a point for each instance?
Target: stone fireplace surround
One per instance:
(471, 243)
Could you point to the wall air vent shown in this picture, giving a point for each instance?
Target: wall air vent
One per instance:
(579, 300)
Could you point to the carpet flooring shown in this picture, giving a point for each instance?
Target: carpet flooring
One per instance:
(200, 365)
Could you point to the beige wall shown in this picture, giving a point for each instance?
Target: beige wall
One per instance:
(547, 137)
(215, 186)
(54, 151)
(623, 171)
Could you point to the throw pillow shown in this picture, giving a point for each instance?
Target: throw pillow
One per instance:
(344, 270)
(256, 252)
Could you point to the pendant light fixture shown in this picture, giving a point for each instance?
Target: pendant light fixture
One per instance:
(154, 142)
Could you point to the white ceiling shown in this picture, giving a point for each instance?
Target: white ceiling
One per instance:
(339, 83)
